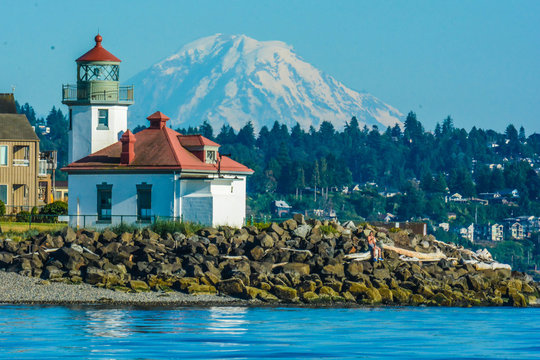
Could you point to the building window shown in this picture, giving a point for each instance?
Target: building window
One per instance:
(144, 202)
(3, 155)
(103, 119)
(70, 119)
(3, 193)
(21, 155)
(104, 202)
(210, 157)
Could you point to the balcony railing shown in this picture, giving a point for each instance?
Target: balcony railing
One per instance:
(21, 162)
(90, 93)
(43, 166)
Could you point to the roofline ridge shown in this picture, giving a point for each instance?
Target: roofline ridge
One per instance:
(169, 141)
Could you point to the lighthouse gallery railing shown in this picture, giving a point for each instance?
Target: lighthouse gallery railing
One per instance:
(123, 93)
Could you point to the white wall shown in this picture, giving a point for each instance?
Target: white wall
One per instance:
(85, 138)
(229, 202)
(206, 201)
(83, 191)
(214, 201)
(196, 201)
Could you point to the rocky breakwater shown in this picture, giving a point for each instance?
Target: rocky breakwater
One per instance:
(295, 262)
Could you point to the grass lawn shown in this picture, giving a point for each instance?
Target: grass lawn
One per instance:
(22, 227)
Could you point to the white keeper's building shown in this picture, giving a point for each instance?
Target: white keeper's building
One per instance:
(116, 176)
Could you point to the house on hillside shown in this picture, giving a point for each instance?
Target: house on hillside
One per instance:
(457, 197)
(445, 226)
(516, 231)
(281, 208)
(24, 181)
(467, 232)
(497, 232)
(508, 193)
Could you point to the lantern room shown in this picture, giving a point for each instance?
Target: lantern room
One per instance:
(98, 75)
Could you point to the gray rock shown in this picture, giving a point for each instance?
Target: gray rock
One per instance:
(299, 218)
(69, 234)
(77, 248)
(302, 231)
(95, 276)
(52, 272)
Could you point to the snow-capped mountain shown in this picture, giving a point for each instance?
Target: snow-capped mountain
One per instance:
(234, 79)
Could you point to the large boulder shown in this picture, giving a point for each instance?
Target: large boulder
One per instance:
(336, 270)
(296, 269)
(95, 276)
(233, 287)
(257, 253)
(266, 241)
(275, 228)
(285, 293)
(139, 286)
(302, 231)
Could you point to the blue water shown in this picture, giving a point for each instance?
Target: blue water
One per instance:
(36, 332)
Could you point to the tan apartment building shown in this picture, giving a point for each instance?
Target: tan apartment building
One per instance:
(23, 184)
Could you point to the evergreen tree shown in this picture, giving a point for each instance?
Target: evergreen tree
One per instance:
(206, 130)
(246, 135)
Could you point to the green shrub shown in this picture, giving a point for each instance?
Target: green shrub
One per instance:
(123, 228)
(2, 208)
(50, 212)
(55, 208)
(328, 229)
(168, 227)
(23, 216)
(261, 226)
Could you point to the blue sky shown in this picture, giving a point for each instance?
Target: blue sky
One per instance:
(478, 61)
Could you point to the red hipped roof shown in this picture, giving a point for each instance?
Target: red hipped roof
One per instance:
(156, 149)
(98, 53)
(195, 140)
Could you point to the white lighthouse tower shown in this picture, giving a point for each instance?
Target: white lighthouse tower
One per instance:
(97, 104)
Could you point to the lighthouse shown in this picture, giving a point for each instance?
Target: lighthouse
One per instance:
(98, 104)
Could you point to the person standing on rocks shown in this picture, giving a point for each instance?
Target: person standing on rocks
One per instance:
(373, 248)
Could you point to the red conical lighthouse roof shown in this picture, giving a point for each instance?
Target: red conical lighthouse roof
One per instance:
(98, 53)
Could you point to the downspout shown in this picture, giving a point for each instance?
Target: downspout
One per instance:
(174, 195)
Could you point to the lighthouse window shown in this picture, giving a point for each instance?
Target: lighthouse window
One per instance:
(103, 119)
(70, 119)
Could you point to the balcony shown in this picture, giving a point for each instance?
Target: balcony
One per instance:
(21, 162)
(43, 167)
(95, 93)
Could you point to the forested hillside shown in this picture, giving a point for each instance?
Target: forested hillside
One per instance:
(421, 166)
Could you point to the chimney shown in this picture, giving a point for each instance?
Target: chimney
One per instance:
(157, 120)
(128, 148)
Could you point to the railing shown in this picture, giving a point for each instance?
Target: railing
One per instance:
(21, 162)
(43, 166)
(123, 93)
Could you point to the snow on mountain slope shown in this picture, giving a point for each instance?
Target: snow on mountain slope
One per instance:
(234, 79)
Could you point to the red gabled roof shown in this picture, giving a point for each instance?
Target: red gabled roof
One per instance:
(195, 140)
(98, 53)
(155, 149)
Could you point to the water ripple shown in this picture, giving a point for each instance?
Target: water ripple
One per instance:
(50, 332)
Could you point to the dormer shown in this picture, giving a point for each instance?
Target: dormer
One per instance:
(205, 149)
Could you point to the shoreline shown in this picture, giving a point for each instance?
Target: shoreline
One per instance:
(17, 289)
(296, 263)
